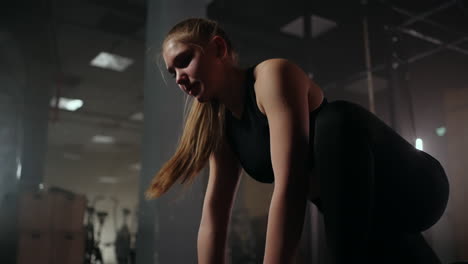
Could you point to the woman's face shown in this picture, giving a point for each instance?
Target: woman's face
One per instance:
(194, 70)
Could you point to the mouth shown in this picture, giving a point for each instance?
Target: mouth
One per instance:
(194, 89)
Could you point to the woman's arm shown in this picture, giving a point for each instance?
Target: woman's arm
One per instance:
(222, 186)
(282, 88)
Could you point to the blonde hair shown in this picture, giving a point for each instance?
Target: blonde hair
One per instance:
(203, 128)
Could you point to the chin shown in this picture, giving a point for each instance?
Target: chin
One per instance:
(202, 100)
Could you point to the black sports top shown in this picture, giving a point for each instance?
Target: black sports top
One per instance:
(249, 136)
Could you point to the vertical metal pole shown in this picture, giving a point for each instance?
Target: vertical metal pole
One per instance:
(392, 64)
(370, 86)
(401, 103)
(308, 232)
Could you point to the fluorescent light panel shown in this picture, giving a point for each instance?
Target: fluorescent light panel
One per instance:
(67, 103)
(320, 25)
(111, 61)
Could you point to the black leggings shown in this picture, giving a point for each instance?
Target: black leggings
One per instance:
(378, 192)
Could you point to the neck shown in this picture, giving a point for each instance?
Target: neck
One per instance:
(232, 95)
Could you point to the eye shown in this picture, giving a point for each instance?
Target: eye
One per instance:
(181, 61)
(184, 59)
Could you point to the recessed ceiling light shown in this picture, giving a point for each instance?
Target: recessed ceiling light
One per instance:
(101, 139)
(109, 180)
(137, 116)
(136, 166)
(295, 27)
(67, 103)
(111, 61)
(319, 24)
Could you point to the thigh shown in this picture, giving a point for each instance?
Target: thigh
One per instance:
(411, 187)
(411, 192)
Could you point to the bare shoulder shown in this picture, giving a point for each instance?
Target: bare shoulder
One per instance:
(275, 66)
(279, 78)
(282, 78)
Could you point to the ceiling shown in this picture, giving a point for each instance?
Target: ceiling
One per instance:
(83, 29)
(425, 28)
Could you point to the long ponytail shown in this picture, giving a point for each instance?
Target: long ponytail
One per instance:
(201, 136)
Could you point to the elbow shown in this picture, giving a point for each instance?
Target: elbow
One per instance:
(292, 191)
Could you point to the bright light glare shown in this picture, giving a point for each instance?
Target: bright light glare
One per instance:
(67, 103)
(18, 170)
(419, 144)
(111, 61)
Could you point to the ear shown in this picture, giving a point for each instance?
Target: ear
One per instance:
(220, 46)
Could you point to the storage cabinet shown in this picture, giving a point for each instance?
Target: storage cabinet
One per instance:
(51, 229)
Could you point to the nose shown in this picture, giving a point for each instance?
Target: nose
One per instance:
(182, 80)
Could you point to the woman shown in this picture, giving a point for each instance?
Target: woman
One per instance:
(375, 190)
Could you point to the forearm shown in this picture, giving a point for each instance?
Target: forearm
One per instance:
(211, 246)
(285, 223)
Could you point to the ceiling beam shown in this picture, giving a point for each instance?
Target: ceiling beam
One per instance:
(436, 50)
(432, 40)
(429, 21)
(423, 15)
